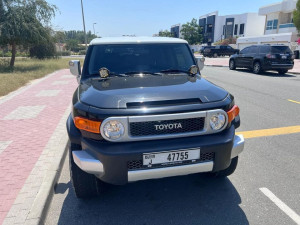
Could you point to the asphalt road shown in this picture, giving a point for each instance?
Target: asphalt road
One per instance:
(270, 162)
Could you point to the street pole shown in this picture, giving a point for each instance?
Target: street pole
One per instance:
(94, 28)
(84, 26)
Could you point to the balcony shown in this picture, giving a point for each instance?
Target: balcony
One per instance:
(286, 25)
(287, 28)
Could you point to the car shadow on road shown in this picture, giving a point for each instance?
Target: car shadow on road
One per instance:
(268, 74)
(193, 199)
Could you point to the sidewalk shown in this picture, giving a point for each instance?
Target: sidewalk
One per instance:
(224, 61)
(32, 142)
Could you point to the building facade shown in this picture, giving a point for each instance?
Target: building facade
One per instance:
(216, 28)
(279, 26)
(175, 30)
(279, 17)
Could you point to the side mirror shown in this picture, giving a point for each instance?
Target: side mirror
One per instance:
(200, 62)
(75, 68)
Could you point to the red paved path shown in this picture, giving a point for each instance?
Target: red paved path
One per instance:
(28, 137)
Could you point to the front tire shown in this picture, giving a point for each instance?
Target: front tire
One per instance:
(230, 170)
(85, 185)
(232, 65)
(257, 68)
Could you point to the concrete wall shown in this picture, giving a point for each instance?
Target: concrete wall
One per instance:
(255, 25)
(288, 39)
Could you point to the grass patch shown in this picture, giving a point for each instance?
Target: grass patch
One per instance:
(27, 69)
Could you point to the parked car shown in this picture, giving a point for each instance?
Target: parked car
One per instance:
(220, 50)
(143, 111)
(261, 58)
(202, 49)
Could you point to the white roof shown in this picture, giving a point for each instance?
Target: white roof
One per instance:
(134, 40)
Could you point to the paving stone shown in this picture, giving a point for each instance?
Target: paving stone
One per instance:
(60, 82)
(4, 145)
(47, 93)
(25, 112)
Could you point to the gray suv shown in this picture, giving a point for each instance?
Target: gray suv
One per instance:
(143, 111)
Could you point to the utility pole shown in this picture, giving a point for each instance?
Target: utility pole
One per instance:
(94, 28)
(84, 26)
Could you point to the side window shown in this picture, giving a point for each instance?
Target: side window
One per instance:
(229, 47)
(245, 50)
(264, 49)
(253, 49)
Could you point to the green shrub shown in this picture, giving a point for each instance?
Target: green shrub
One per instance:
(43, 51)
(64, 53)
(7, 54)
(82, 52)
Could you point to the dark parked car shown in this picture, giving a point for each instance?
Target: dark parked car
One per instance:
(220, 50)
(261, 58)
(205, 47)
(143, 111)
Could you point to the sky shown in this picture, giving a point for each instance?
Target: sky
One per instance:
(141, 17)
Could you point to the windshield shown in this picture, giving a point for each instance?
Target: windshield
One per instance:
(281, 49)
(128, 58)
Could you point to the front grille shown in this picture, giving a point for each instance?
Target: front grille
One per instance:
(149, 128)
(138, 164)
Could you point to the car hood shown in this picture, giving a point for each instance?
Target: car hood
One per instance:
(117, 92)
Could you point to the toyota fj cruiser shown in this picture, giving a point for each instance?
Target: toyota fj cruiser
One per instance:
(143, 111)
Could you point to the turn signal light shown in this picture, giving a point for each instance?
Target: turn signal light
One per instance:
(87, 125)
(233, 112)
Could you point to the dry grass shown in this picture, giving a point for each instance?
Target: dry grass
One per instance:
(26, 70)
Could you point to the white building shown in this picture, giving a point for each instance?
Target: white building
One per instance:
(279, 17)
(279, 26)
(216, 28)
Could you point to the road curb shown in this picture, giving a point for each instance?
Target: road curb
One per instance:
(38, 211)
(43, 199)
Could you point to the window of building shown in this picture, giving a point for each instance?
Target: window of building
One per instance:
(242, 27)
(269, 25)
(275, 24)
(236, 29)
(209, 28)
(223, 29)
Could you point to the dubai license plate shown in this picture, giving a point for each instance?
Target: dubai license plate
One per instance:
(171, 156)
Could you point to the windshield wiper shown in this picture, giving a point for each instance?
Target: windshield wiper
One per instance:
(174, 71)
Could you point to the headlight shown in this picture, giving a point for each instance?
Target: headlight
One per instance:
(217, 121)
(113, 129)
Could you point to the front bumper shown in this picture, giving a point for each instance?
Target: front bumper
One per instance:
(108, 161)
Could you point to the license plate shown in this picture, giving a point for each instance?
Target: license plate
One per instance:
(171, 156)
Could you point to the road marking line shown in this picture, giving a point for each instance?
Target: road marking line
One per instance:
(287, 210)
(290, 100)
(270, 132)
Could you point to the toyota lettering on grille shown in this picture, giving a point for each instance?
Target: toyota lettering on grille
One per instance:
(170, 126)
